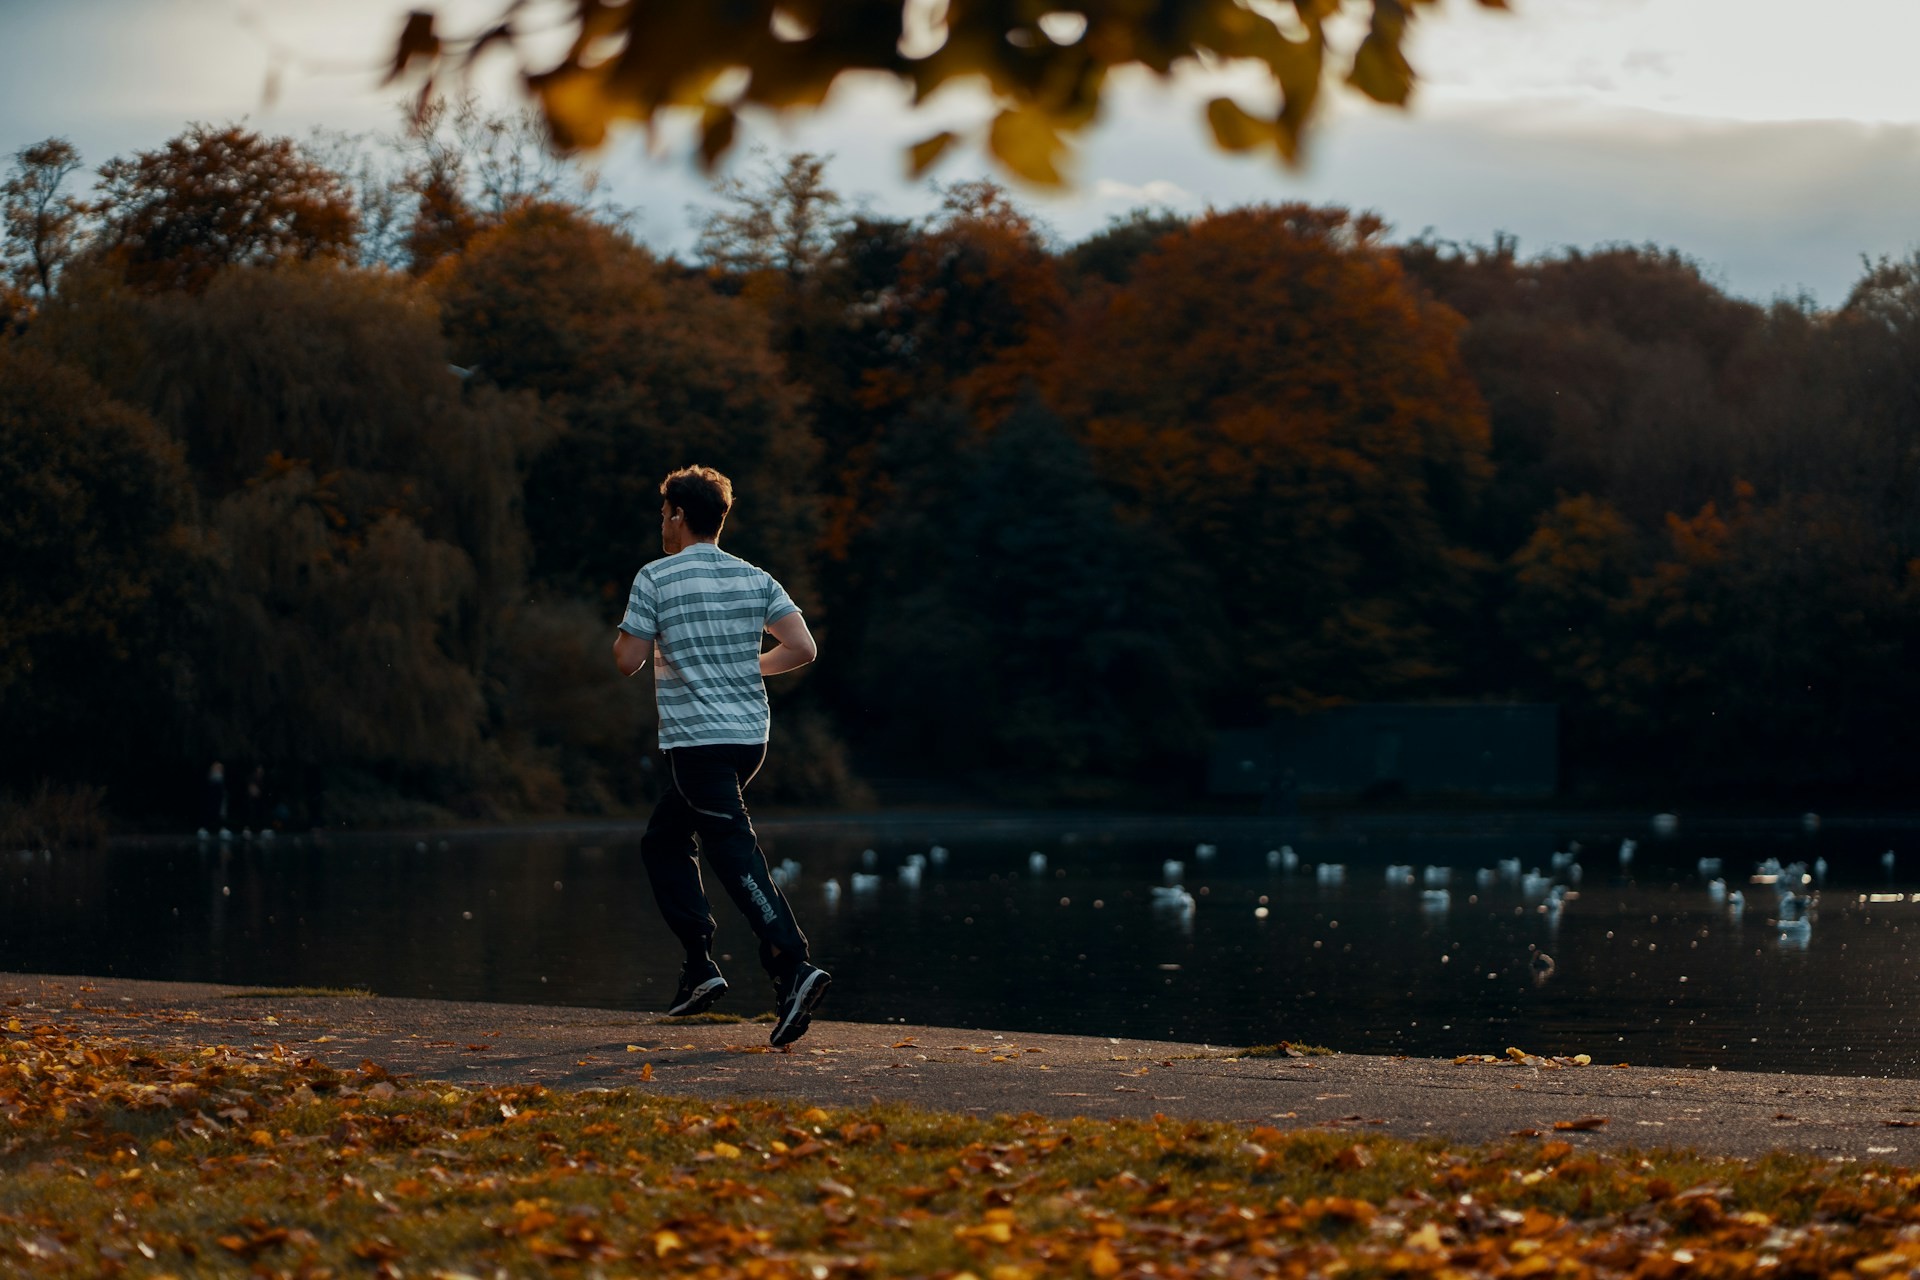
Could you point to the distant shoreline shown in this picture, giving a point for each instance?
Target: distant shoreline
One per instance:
(1013, 824)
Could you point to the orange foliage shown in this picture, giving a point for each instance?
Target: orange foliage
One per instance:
(1269, 386)
(982, 299)
(643, 369)
(213, 198)
(977, 308)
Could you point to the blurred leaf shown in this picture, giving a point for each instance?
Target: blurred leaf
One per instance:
(926, 152)
(1234, 129)
(1026, 141)
(418, 41)
(716, 135)
(678, 56)
(1381, 71)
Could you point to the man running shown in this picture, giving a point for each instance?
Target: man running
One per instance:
(701, 612)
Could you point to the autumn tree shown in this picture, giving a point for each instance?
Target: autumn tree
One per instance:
(1751, 643)
(98, 601)
(962, 309)
(214, 198)
(376, 180)
(1109, 255)
(332, 645)
(781, 222)
(40, 224)
(1565, 613)
(644, 369)
(466, 168)
(1621, 372)
(1008, 544)
(354, 483)
(1270, 389)
(1867, 355)
(980, 299)
(443, 220)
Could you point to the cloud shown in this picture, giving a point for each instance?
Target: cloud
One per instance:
(1648, 62)
(1768, 205)
(1157, 191)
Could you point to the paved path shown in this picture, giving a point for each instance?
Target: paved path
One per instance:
(1734, 1113)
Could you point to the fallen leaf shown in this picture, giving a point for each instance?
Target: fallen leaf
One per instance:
(1582, 1124)
(376, 1249)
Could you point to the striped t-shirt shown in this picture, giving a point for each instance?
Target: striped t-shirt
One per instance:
(705, 611)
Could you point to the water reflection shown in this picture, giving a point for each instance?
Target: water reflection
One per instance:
(1787, 954)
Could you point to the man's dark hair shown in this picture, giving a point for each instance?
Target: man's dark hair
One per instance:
(701, 494)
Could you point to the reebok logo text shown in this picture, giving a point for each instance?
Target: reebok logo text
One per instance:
(759, 898)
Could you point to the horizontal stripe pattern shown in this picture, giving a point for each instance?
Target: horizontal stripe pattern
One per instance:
(705, 611)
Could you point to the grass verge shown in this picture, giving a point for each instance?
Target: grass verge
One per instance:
(233, 1162)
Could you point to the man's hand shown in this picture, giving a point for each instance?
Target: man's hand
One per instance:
(793, 648)
(630, 653)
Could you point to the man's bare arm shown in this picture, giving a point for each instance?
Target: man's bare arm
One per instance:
(630, 652)
(793, 647)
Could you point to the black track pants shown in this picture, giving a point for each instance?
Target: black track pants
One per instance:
(706, 801)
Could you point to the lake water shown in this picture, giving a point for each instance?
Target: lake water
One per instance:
(1647, 964)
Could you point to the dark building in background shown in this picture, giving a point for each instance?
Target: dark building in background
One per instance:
(1378, 749)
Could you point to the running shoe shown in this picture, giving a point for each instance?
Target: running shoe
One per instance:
(700, 985)
(795, 999)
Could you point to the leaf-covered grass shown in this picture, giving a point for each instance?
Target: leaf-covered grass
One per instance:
(283, 993)
(229, 1162)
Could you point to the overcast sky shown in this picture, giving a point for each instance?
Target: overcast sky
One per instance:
(1775, 142)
